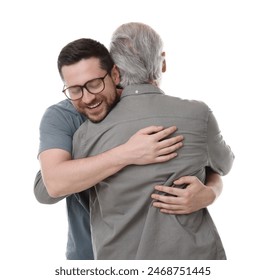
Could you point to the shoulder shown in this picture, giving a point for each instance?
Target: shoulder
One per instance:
(196, 105)
(58, 125)
(61, 118)
(62, 113)
(62, 107)
(189, 107)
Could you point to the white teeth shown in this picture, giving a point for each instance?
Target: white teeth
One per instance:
(94, 106)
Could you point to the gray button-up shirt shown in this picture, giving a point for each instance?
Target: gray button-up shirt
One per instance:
(124, 223)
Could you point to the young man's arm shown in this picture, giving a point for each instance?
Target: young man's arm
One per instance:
(193, 198)
(197, 196)
(41, 193)
(63, 176)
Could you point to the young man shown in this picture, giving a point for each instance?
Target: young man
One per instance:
(64, 176)
(123, 223)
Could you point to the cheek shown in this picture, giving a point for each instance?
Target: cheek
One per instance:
(77, 105)
(109, 95)
(113, 98)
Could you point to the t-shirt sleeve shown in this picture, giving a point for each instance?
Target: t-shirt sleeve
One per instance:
(55, 132)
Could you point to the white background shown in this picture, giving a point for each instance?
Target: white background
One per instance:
(215, 52)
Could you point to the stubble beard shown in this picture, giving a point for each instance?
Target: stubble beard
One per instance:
(106, 110)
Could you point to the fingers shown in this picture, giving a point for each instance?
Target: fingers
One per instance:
(164, 158)
(170, 208)
(170, 145)
(169, 190)
(165, 206)
(163, 150)
(150, 129)
(180, 201)
(186, 180)
(164, 133)
(170, 205)
(160, 199)
(159, 132)
(174, 212)
(167, 148)
(171, 141)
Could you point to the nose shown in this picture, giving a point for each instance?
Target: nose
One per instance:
(87, 96)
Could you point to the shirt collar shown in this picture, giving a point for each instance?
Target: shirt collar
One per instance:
(141, 89)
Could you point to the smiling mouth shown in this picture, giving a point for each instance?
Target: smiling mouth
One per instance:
(94, 105)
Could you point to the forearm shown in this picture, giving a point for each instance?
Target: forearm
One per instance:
(215, 185)
(63, 176)
(73, 176)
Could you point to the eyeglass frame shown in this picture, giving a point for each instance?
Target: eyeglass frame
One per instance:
(84, 86)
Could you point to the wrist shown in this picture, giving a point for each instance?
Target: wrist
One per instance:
(121, 156)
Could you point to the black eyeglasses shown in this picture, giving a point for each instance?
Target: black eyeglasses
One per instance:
(94, 86)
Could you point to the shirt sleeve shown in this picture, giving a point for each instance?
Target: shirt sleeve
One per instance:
(220, 156)
(41, 193)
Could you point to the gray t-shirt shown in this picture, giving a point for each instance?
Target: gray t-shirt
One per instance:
(124, 223)
(57, 127)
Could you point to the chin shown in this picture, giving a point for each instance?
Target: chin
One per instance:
(97, 119)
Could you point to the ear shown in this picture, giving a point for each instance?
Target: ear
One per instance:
(164, 63)
(115, 74)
